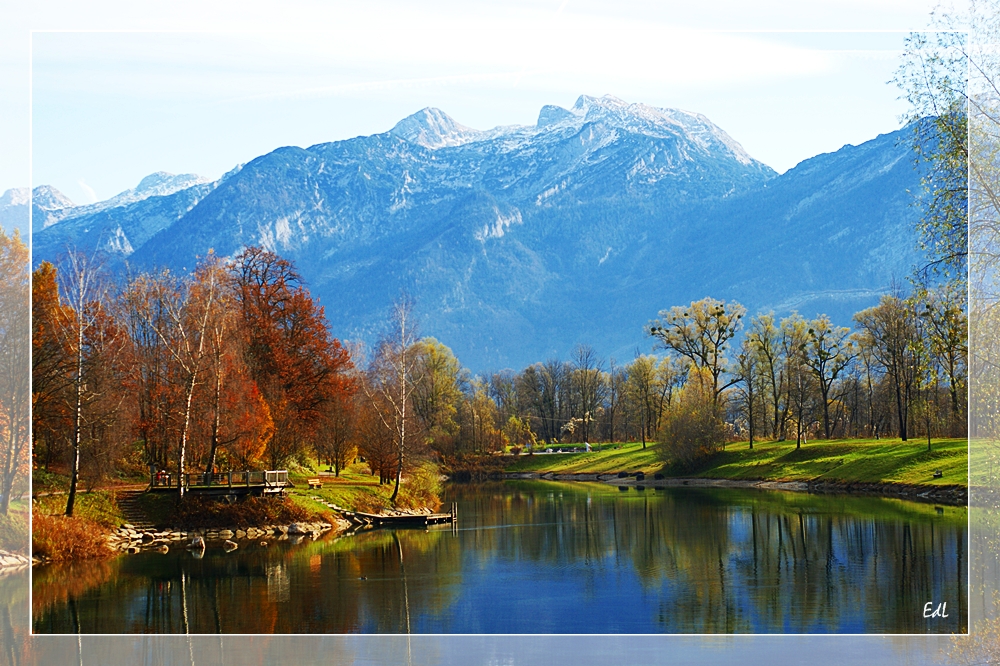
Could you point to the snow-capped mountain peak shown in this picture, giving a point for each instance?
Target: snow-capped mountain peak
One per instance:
(18, 196)
(158, 184)
(46, 197)
(433, 128)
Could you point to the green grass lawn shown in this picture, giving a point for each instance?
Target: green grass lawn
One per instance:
(864, 460)
(631, 457)
(355, 489)
(886, 460)
(984, 461)
(98, 506)
(14, 527)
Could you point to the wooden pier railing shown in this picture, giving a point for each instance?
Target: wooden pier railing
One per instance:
(270, 479)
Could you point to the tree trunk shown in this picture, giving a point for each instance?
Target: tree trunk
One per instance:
(10, 465)
(184, 436)
(899, 410)
(214, 445)
(74, 476)
(399, 475)
(826, 412)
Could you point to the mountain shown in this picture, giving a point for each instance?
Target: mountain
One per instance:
(14, 205)
(521, 241)
(116, 226)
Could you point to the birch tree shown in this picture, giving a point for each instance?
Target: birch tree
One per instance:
(392, 375)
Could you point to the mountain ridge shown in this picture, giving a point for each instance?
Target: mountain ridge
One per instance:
(520, 241)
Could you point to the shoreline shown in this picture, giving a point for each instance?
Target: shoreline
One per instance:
(950, 495)
(12, 562)
(128, 539)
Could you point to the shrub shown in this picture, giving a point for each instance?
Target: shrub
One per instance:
(692, 429)
(421, 488)
(62, 538)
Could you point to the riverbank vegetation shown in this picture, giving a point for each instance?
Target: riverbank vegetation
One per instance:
(234, 367)
(14, 527)
(64, 538)
(58, 538)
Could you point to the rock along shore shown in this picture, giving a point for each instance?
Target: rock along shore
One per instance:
(950, 495)
(11, 562)
(131, 539)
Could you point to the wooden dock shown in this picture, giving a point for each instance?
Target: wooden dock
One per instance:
(403, 520)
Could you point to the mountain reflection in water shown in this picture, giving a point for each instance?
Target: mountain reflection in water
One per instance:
(544, 557)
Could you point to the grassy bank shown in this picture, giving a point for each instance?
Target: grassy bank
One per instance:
(98, 507)
(854, 460)
(357, 490)
(14, 527)
(84, 536)
(630, 457)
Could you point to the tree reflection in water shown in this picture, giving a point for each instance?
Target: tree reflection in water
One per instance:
(542, 557)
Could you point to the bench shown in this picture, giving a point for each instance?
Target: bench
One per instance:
(314, 483)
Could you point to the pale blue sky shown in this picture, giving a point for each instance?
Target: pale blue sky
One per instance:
(205, 94)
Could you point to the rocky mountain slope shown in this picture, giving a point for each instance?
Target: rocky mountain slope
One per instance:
(521, 241)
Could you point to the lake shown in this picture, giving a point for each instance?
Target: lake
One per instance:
(547, 557)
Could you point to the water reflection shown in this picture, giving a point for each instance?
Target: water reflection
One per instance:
(536, 557)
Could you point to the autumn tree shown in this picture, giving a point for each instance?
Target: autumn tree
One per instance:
(231, 414)
(503, 392)
(15, 395)
(82, 288)
(616, 383)
(337, 440)
(519, 434)
(641, 387)
(51, 366)
(392, 382)
(374, 441)
(946, 330)
(478, 419)
(179, 312)
(764, 338)
(289, 352)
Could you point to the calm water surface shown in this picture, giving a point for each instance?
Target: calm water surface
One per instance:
(544, 557)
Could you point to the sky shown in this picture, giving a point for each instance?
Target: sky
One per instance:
(113, 103)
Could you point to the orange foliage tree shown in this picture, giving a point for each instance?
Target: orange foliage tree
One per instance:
(298, 367)
(51, 367)
(14, 363)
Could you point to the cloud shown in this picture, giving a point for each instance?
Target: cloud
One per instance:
(88, 191)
